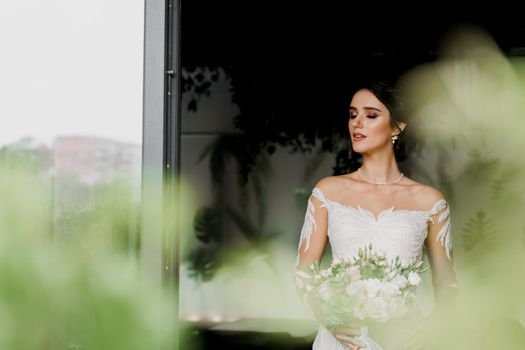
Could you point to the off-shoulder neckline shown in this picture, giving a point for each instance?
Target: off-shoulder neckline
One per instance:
(430, 212)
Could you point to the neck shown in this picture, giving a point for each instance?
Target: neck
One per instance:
(380, 168)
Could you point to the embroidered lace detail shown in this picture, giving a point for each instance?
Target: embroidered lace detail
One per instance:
(309, 220)
(397, 231)
(444, 236)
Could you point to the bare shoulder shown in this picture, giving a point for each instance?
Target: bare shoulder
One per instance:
(425, 196)
(328, 183)
(428, 196)
(341, 187)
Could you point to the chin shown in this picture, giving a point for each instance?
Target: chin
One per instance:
(359, 149)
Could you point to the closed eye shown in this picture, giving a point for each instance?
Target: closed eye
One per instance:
(371, 116)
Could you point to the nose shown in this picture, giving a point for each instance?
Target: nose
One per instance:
(356, 122)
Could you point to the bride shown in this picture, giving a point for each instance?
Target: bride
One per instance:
(376, 204)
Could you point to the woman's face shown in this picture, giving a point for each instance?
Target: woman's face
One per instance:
(369, 123)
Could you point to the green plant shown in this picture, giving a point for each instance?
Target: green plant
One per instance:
(480, 231)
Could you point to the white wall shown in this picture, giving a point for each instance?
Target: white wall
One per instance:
(251, 291)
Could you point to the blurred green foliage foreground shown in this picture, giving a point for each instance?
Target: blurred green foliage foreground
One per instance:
(79, 290)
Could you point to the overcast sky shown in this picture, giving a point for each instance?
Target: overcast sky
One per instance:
(71, 67)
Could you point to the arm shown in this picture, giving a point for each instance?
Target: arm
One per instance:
(311, 248)
(439, 247)
(314, 236)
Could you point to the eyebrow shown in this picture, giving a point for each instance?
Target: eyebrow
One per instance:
(367, 108)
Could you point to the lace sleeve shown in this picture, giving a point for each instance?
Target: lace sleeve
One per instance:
(311, 216)
(312, 240)
(440, 253)
(444, 235)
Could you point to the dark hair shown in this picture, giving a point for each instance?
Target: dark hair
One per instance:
(389, 95)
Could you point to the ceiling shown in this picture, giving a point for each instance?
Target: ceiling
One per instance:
(302, 60)
(226, 32)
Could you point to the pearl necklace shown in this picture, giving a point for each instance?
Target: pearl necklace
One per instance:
(378, 183)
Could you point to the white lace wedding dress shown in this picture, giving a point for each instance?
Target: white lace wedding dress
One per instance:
(395, 231)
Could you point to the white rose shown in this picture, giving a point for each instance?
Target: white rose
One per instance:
(400, 281)
(390, 289)
(413, 278)
(376, 308)
(325, 273)
(372, 286)
(359, 312)
(324, 291)
(360, 288)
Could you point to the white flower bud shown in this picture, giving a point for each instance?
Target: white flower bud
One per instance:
(414, 279)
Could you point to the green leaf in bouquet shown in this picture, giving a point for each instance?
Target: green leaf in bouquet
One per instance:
(337, 287)
(348, 304)
(367, 271)
(335, 315)
(314, 267)
(335, 301)
(330, 308)
(399, 269)
(339, 280)
(336, 320)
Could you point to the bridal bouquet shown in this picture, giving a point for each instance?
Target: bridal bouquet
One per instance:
(368, 288)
